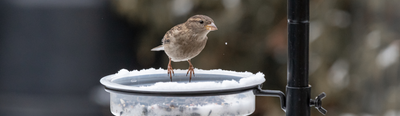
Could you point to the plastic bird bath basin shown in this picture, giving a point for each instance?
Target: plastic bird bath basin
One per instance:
(210, 92)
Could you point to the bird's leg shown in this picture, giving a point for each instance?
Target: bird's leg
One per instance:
(170, 70)
(190, 70)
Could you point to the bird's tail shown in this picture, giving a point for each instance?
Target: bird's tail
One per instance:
(158, 48)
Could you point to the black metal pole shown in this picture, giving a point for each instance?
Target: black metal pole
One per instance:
(298, 90)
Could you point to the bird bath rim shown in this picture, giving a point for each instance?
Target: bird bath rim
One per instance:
(209, 82)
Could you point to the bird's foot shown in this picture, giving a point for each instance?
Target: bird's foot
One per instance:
(190, 72)
(170, 72)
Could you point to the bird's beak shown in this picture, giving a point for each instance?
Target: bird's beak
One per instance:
(211, 27)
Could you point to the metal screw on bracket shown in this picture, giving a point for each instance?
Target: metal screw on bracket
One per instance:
(318, 103)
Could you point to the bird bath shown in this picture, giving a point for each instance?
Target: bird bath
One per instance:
(129, 104)
(210, 93)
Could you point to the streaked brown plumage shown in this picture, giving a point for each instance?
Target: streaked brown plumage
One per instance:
(185, 41)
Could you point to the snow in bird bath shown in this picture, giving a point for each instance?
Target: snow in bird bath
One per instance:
(248, 79)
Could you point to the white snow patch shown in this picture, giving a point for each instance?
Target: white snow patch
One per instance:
(339, 73)
(388, 56)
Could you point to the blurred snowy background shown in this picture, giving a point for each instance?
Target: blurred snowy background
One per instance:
(53, 52)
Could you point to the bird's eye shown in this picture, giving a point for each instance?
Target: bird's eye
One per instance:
(201, 22)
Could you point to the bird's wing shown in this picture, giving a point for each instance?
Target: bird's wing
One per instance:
(158, 48)
(176, 30)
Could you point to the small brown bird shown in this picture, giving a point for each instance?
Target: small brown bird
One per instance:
(185, 41)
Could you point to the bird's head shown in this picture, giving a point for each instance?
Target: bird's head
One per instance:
(201, 23)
